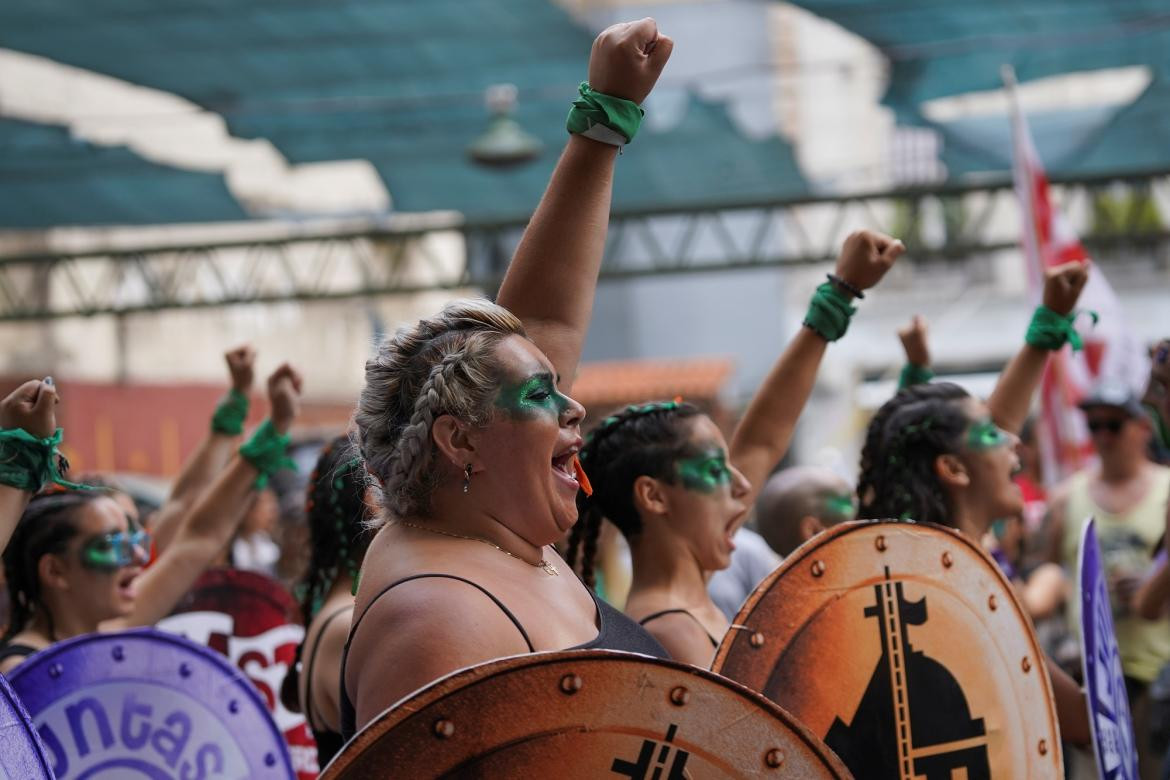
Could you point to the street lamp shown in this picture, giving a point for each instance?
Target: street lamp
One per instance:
(504, 143)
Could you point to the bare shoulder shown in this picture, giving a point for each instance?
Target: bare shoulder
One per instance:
(26, 639)
(683, 637)
(420, 631)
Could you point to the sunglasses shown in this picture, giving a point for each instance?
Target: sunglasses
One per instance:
(108, 552)
(1112, 426)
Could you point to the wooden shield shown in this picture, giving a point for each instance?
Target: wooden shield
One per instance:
(903, 647)
(585, 714)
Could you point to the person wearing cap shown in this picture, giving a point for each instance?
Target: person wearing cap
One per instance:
(1127, 493)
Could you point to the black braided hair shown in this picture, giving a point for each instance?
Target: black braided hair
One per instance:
(640, 440)
(903, 441)
(47, 525)
(339, 533)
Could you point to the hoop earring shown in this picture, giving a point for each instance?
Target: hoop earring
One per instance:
(467, 478)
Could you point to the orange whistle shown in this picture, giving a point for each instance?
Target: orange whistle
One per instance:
(582, 477)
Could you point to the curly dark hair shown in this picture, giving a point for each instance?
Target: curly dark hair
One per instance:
(47, 525)
(903, 440)
(640, 440)
(339, 533)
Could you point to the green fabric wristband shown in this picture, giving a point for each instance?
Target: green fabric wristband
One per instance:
(829, 312)
(28, 463)
(267, 451)
(604, 118)
(230, 414)
(914, 374)
(1051, 331)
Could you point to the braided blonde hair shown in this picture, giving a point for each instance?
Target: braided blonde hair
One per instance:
(446, 364)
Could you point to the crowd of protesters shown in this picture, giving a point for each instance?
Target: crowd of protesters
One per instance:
(470, 491)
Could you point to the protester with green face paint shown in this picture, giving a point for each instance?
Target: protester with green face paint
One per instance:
(678, 492)
(76, 561)
(467, 426)
(935, 454)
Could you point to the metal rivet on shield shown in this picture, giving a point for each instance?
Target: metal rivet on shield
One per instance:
(1026, 665)
(880, 543)
(56, 670)
(269, 759)
(444, 728)
(680, 696)
(991, 604)
(757, 639)
(184, 669)
(570, 684)
(774, 758)
(948, 561)
(818, 568)
(118, 653)
(1043, 747)
(233, 706)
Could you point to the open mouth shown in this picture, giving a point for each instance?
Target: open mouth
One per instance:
(564, 465)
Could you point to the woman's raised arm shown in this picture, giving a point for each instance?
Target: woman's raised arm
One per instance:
(552, 279)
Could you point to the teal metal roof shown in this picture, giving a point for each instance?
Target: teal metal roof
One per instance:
(938, 49)
(399, 83)
(48, 178)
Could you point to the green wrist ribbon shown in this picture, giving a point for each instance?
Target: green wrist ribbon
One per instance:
(230, 414)
(604, 118)
(28, 463)
(914, 374)
(267, 451)
(829, 312)
(1051, 331)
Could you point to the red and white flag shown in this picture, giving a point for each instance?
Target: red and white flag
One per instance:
(1111, 348)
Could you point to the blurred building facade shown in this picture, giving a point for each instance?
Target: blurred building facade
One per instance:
(763, 103)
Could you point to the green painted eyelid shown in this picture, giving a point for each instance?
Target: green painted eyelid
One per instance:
(986, 435)
(518, 400)
(113, 551)
(697, 473)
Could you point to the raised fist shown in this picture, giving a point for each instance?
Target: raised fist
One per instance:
(1063, 285)
(284, 394)
(31, 407)
(240, 362)
(866, 256)
(627, 59)
(914, 342)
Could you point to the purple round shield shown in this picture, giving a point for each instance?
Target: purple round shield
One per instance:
(1113, 738)
(21, 751)
(143, 704)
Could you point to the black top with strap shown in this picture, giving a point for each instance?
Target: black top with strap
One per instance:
(656, 615)
(329, 742)
(16, 650)
(615, 632)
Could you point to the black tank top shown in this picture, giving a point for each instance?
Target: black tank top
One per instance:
(615, 632)
(328, 742)
(16, 650)
(648, 618)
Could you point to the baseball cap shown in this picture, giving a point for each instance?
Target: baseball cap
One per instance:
(1115, 393)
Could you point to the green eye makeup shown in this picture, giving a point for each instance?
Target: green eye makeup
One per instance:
(113, 551)
(535, 396)
(986, 435)
(704, 473)
(841, 505)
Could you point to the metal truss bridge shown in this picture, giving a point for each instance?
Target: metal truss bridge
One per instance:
(1120, 219)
